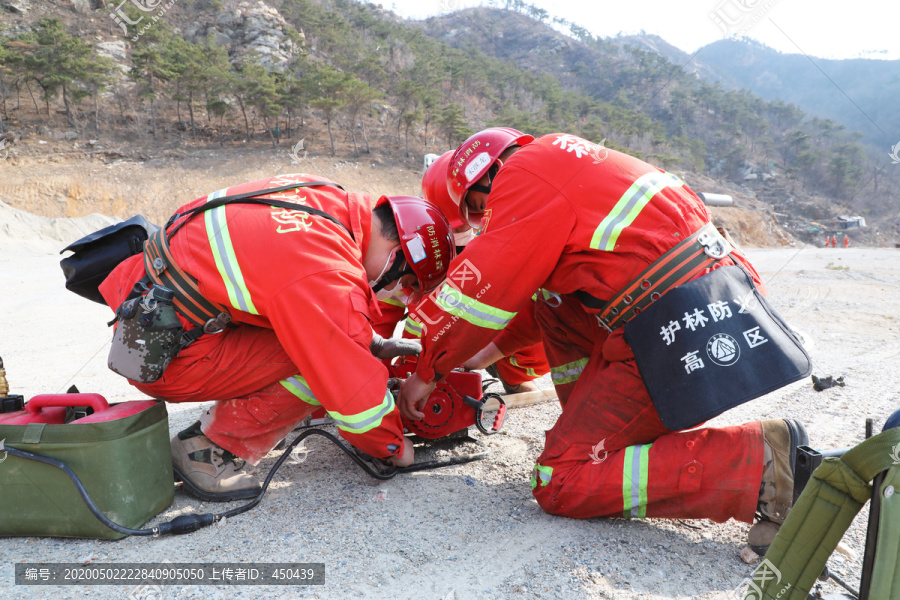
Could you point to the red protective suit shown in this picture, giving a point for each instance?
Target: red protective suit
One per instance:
(523, 352)
(567, 215)
(296, 286)
(524, 358)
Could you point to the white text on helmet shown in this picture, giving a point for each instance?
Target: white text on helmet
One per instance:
(478, 163)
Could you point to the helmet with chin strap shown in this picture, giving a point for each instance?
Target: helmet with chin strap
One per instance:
(434, 189)
(426, 240)
(477, 156)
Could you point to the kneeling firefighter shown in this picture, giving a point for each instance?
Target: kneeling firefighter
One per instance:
(660, 327)
(273, 286)
(516, 357)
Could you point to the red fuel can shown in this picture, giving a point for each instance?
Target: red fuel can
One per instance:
(51, 409)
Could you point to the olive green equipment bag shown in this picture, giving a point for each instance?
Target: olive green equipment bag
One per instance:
(836, 492)
(148, 336)
(120, 453)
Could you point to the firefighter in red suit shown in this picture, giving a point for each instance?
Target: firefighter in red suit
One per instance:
(516, 356)
(299, 289)
(565, 215)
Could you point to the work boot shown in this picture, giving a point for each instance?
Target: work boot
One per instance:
(525, 386)
(209, 472)
(776, 490)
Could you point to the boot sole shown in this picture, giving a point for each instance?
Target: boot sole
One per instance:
(799, 437)
(199, 492)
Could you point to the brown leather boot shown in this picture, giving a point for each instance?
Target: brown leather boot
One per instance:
(209, 472)
(776, 490)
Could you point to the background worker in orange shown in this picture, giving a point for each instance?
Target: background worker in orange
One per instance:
(516, 356)
(566, 215)
(299, 287)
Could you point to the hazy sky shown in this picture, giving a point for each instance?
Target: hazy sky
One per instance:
(823, 28)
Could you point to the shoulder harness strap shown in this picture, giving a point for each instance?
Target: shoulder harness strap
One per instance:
(161, 268)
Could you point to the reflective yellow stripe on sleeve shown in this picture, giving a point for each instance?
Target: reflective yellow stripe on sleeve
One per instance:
(629, 207)
(365, 420)
(469, 309)
(393, 302)
(358, 423)
(226, 261)
(413, 327)
(297, 386)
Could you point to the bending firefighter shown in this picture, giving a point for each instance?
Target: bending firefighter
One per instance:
(582, 222)
(291, 291)
(516, 356)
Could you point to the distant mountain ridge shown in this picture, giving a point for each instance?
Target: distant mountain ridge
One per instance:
(842, 90)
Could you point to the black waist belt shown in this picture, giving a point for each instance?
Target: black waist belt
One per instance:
(697, 252)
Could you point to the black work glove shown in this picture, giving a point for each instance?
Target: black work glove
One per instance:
(393, 347)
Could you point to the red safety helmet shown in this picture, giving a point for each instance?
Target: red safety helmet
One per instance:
(473, 159)
(426, 239)
(434, 189)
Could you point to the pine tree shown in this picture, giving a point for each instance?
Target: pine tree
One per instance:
(59, 62)
(329, 87)
(359, 97)
(151, 67)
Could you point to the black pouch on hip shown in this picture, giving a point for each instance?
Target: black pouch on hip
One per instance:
(712, 344)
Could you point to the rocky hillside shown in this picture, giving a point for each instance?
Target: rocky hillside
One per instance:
(353, 80)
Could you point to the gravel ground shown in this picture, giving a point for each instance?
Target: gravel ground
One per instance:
(465, 532)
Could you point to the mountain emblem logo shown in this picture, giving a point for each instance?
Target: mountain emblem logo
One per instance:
(723, 349)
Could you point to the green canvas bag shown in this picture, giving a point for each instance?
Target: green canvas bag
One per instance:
(124, 464)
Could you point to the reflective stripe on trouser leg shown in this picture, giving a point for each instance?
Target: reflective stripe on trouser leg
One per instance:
(635, 475)
(528, 370)
(570, 334)
(568, 373)
(541, 474)
(527, 364)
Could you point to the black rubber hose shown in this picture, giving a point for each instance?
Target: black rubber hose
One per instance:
(189, 523)
(287, 452)
(84, 495)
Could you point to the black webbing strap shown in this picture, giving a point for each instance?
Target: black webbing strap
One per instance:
(680, 264)
(252, 198)
(163, 270)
